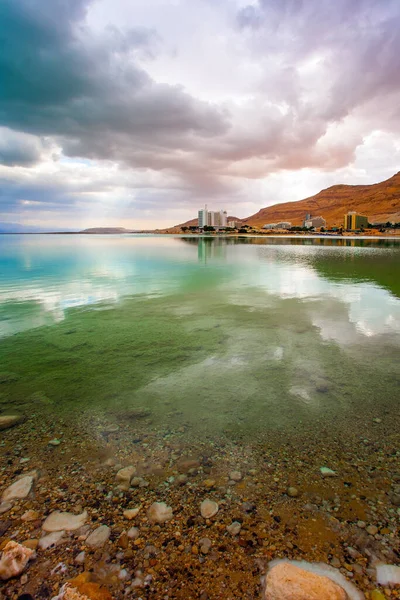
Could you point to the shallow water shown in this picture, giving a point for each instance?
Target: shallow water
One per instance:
(231, 334)
(273, 356)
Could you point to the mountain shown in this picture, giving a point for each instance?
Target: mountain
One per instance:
(380, 202)
(107, 230)
(18, 228)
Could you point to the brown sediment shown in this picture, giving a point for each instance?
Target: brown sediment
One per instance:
(189, 556)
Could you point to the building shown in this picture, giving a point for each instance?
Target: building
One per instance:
(233, 224)
(212, 218)
(354, 221)
(316, 222)
(281, 225)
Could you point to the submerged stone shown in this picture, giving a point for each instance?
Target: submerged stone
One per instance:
(208, 509)
(58, 521)
(50, 540)
(8, 421)
(19, 489)
(14, 559)
(98, 537)
(159, 512)
(286, 581)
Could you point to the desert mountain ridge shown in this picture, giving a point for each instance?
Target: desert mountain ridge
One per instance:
(380, 202)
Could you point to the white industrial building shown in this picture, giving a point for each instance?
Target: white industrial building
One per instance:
(212, 218)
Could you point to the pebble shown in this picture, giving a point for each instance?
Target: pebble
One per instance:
(361, 524)
(235, 476)
(131, 513)
(133, 533)
(377, 420)
(208, 509)
(55, 442)
(209, 483)
(292, 492)
(98, 537)
(285, 580)
(159, 512)
(125, 474)
(5, 507)
(372, 529)
(326, 472)
(30, 515)
(139, 482)
(205, 545)
(18, 489)
(8, 421)
(80, 558)
(14, 559)
(50, 540)
(234, 528)
(58, 521)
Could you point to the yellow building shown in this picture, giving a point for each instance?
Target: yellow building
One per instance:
(355, 221)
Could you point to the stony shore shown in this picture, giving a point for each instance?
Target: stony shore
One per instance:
(168, 513)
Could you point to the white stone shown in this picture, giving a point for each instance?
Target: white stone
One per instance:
(159, 512)
(234, 528)
(133, 533)
(98, 537)
(325, 472)
(387, 575)
(59, 521)
(7, 421)
(5, 506)
(80, 558)
(14, 559)
(286, 581)
(131, 513)
(125, 474)
(208, 509)
(18, 489)
(50, 540)
(235, 476)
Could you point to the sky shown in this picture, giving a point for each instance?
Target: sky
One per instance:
(135, 113)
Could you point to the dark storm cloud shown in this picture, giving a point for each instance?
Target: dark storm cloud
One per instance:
(59, 80)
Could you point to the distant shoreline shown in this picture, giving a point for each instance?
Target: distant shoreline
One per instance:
(219, 236)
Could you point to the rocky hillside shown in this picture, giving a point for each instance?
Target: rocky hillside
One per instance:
(380, 202)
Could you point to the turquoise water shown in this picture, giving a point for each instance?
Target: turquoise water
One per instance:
(224, 335)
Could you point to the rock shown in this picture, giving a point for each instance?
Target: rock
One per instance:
(139, 482)
(59, 521)
(54, 442)
(14, 559)
(234, 528)
(235, 476)
(292, 492)
(186, 464)
(98, 537)
(205, 545)
(325, 472)
(248, 507)
(137, 413)
(372, 529)
(394, 498)
(74, 590)
(80, 558)
(377, 595)
(387, 575)
(182, 479)
(377, 420)
(125, 474)
(133, 533)
(5, 507)
(208, 509)
(361, 524)
(30, 515)
(209, 483)
(286, 581)
(131, 513)
(31, 543)
(8, 421)
(159, 512)
(18, 489)
(50, 540)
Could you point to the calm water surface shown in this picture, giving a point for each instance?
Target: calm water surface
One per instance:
(223, 335)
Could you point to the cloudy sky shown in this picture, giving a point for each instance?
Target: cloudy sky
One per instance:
(135, 113)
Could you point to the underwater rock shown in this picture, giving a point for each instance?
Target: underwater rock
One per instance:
(292, 492)
(325, 472)
(58, 521)
(288, 581)
(18, 489)
(131, 513)
(300, 580)
(98, 537)
(234, 528)
(387, 575)
(50, 540)
(159, 512)
(14, 559)
(235, 476)
(208, 509)
(125, 474)
(7, 421)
